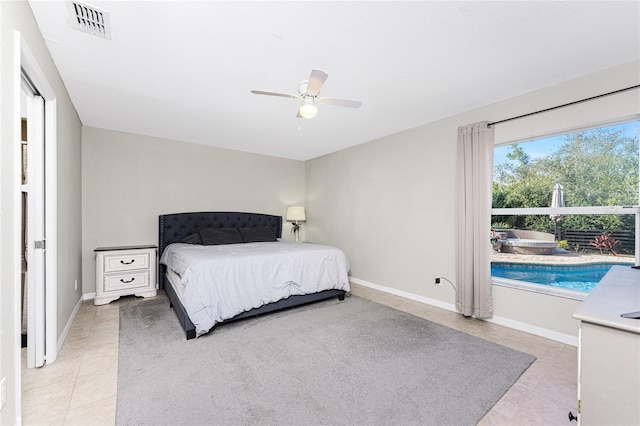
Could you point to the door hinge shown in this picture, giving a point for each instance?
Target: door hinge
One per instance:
(42, 244)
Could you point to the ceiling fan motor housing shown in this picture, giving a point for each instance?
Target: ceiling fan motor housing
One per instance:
(302, 88)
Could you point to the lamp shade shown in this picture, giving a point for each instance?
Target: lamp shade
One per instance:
(308, 110)
(296, 214)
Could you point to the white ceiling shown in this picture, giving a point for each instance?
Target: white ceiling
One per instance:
(184, 70)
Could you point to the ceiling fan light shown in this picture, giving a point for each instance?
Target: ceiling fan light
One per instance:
(308, 110)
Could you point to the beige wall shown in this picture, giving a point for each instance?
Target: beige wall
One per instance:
(17, 16)
(390, 203)
(69, 209)
(128, 180)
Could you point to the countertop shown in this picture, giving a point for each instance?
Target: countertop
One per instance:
(617, 293)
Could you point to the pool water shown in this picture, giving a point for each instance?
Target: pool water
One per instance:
(574, 277)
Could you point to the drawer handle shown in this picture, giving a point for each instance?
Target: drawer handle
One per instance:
(127, 263)
(123, 281)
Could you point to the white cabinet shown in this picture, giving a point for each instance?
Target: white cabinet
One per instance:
(609, 351)
(123, 271)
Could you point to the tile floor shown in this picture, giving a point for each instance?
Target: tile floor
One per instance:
(80, 387)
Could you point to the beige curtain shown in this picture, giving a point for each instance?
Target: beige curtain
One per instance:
(475, 175)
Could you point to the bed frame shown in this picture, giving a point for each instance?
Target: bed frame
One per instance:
(174, 227)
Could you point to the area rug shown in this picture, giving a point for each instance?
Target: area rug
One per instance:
(353, 362)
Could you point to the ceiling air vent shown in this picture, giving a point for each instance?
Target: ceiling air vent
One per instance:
(89, 19)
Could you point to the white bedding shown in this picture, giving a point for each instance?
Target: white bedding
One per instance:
(222, 281)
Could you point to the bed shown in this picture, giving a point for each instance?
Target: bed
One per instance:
(208, 285)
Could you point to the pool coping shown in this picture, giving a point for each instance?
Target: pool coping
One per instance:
(540, 288)
(559, 258)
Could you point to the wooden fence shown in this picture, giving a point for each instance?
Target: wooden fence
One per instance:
(581, 239)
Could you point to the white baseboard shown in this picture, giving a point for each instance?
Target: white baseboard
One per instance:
(426, 300)
(89, 296)
(506, 322)
(567, 339)
(68, 325)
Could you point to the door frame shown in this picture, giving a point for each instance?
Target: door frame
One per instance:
(31, 68)
(35, 226)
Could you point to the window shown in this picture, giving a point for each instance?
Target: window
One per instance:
(598, 173)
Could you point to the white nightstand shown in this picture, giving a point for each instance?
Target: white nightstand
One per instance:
(122, 271)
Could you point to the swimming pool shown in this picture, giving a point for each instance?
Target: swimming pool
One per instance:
(574, 277)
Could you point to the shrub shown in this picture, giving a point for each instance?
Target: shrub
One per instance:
(605, 242)
(500, 225)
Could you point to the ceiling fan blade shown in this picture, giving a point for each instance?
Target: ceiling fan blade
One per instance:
(316, 80)
(340, 102)
(284, 95)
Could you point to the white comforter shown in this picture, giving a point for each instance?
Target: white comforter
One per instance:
(219, 282)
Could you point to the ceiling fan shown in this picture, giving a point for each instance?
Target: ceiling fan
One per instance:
(308, 91)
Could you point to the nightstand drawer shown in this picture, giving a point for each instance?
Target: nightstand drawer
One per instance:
(125, 262)
(126, 280)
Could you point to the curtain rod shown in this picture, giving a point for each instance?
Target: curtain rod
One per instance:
(563, 105)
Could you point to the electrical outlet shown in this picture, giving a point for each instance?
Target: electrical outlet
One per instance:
(75, 285)
(438, 282)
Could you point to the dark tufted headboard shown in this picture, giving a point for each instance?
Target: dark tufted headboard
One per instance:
(174, 227)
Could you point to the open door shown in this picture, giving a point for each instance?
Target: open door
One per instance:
(35, 232)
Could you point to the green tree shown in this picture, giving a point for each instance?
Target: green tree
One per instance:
(595, 167)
